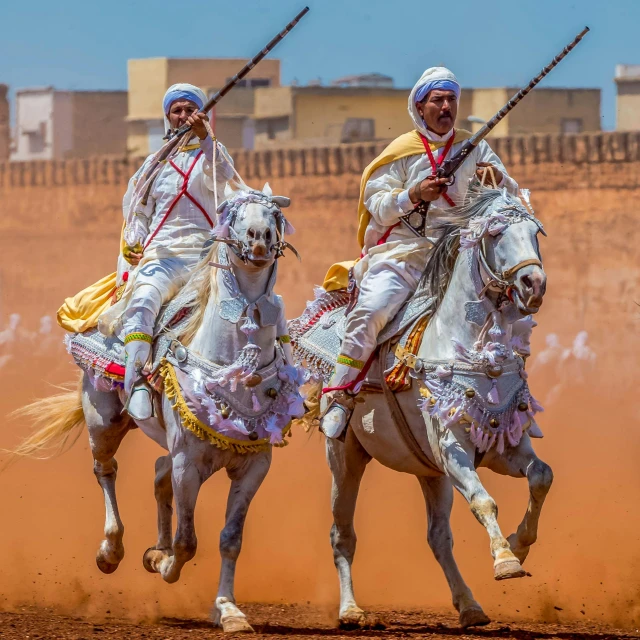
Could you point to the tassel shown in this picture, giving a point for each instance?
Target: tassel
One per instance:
(536, 407)
(255, 403)
(500, 447)
(493, 397)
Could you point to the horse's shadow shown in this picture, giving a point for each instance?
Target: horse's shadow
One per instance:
(379, 629)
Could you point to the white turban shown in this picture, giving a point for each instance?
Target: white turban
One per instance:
(182, 91)
(433, 78)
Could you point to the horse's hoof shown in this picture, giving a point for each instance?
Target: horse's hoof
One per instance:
(235, 624)
(519, 552)
(508, 569)
(352, 617)
(473, 617)
(104, 566)
(151, 558)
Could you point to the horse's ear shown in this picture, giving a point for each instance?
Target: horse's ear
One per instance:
(267, 190)
(221, 206)
(282, 201)
(228, 192)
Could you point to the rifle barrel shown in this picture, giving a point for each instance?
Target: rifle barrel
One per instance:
(232, 82)
(484, 131)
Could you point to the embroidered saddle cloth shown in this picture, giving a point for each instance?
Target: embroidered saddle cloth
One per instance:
(316, 336)
(102, 357)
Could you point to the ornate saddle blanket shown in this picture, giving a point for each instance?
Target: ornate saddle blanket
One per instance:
(102, 357)
(245, 417)
(316, 336)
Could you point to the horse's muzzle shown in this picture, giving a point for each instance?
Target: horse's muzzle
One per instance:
(531, 285)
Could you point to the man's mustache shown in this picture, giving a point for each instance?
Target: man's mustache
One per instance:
(446, 114)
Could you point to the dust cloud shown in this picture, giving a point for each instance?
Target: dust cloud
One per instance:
(586, 561)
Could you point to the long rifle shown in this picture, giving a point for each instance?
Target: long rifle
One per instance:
(416, 220)
(213, 101)
(174, 138)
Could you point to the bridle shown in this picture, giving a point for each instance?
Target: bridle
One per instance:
(229, 211)
(502, 282)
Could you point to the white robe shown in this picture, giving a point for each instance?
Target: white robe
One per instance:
(171, 254)
(389, 273)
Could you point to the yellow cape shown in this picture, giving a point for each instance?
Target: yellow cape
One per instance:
(408, 144)
(81, 312)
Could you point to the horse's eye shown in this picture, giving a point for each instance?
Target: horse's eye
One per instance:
(268, 235)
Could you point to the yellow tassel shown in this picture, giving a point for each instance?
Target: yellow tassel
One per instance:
(398, 377)
(203, 431)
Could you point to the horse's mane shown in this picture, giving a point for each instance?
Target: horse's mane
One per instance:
(204, 284)
(442, 259)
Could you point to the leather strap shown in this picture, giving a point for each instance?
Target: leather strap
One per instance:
(399, 419)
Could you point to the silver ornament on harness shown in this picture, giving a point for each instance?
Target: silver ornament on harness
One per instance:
(231, 309)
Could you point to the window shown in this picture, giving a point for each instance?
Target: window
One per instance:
(358, 130)
(571, 125)
(37, 138)
(253, 82)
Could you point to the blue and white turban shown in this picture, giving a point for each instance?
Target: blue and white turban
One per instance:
(433, 78)
(183, 91)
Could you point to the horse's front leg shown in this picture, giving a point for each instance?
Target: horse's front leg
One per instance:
(457, 457)
(521, 462)
(106, 430)
(247, 473)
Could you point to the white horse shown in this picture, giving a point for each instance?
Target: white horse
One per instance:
(229, 395)
(469, 389)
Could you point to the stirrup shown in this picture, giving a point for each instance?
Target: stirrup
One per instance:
(346, 403)
(140, 408)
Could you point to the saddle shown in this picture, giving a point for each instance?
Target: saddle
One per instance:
(316, 337)
(102, 357)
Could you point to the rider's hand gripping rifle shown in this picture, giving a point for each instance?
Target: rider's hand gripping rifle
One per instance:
(416, 220)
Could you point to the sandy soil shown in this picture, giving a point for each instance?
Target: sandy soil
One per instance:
(585, 565)
(294, 621)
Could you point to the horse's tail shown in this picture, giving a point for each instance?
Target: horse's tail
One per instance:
(58, 422)
(310, 420)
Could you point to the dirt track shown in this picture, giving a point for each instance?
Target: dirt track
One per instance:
(292, 621)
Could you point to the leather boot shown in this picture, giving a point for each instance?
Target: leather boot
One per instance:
(336, 418)
(139, 403)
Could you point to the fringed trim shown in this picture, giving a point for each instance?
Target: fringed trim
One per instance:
(350, 362)
(398, 378)
(204, 432)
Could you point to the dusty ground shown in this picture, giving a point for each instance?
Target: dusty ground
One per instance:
(587, 556)
(293, 621)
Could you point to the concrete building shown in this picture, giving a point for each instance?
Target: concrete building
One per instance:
(542, 111)
(5, 127)
(54, 125)
(370, 80)
(149, 78)
(316, 115)
(303, 116)
(628, 97)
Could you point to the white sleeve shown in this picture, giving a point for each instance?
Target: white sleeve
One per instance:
(486, 154)
(385, 195)
(136, 215)
(224, 164)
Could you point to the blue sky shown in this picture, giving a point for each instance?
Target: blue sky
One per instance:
(75, 44)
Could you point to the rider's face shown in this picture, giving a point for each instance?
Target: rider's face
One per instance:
(179, 111)
(439, 110)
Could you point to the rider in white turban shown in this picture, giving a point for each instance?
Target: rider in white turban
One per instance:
(164, 235)
(393, 257)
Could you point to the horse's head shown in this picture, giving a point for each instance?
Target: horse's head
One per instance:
(505, 236)
(253, 225)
